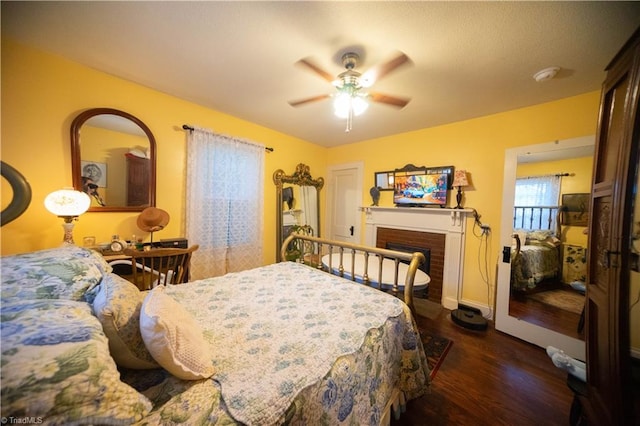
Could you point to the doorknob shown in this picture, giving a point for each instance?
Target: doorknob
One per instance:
(351, 230)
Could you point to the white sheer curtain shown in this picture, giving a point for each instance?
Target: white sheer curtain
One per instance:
(225, 182)
(536, 191)
(309, 201)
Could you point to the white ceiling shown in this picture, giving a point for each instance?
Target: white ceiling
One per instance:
(469, 59)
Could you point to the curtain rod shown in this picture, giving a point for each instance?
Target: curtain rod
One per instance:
(189, 128)
(550, 175)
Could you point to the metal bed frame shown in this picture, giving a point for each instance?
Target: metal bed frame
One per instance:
(310, 251)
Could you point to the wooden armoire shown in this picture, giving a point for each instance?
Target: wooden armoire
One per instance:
(611, 393)
(138, 172)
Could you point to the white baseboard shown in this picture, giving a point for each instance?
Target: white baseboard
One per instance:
(450, 303)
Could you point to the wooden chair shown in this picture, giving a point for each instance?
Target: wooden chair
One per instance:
(160, 266)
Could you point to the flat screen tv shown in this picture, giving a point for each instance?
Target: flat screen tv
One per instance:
(420, 186)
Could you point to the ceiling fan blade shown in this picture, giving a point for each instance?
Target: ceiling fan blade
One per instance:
(379, 71)
(308, 100)
(389, 100)
(319, 71)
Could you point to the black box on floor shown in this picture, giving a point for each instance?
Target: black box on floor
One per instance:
(468, 317)
(174, 243)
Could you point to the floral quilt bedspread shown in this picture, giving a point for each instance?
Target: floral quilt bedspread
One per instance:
(296, 345)
(534, 264)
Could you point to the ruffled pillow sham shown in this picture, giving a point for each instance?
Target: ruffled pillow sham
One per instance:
(174, 338)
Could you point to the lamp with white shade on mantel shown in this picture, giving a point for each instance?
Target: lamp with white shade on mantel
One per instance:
(68, 204)
(460, 181)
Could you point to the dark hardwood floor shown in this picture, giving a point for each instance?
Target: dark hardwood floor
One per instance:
(547, 316)
(489, 378)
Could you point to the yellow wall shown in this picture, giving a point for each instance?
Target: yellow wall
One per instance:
(42, 94)
(478, 146)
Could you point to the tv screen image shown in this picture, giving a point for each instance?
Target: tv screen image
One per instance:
(420, 189)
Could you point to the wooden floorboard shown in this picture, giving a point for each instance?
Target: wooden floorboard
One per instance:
(490, 378)
(546, 316)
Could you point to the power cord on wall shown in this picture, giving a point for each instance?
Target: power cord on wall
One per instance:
(467, 316)
(484, 235)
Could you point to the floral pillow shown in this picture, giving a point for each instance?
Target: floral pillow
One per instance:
(539, 235)
(66, 272)
(543, 238)
(117, 305)
(56, 366)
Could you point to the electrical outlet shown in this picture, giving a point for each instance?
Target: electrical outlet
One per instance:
(485, 229)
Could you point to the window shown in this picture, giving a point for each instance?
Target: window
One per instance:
(225, 185)
(533, 193)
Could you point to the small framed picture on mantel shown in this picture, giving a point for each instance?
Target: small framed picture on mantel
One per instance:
(384, 180)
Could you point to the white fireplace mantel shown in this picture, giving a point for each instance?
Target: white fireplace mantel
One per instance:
(451, 222)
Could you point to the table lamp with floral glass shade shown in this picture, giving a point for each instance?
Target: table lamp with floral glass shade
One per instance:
(68, 204)
(460, 181)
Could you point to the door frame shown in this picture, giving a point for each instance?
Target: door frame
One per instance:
(331, 171)
(524, 330)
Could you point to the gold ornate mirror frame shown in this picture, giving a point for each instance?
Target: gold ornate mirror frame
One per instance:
(301, 177)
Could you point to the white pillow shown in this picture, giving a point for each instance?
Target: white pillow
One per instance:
(173, 337)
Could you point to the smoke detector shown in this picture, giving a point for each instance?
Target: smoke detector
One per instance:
(546, 74)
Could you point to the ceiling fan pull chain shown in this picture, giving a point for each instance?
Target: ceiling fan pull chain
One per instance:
(349, 116)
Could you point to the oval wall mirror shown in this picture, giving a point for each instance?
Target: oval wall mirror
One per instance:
(113, 159)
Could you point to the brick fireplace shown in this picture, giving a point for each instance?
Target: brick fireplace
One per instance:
(441, 231)
(410, 240)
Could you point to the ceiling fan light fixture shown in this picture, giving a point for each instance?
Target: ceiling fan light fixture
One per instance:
(341, 105)
(367, 79)
(346, 104)
(359, 105)
(350, 99)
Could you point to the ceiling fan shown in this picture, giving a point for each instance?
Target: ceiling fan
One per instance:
(351, 97)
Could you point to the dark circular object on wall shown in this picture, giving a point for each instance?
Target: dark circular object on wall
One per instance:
(21, 193)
